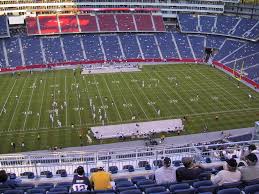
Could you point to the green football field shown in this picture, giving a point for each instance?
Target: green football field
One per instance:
(201, 93)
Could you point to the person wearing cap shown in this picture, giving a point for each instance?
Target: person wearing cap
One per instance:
(80, 181)
(101, 180)
(251, 171)
(229, 175)
(165, 174)
(190, 171)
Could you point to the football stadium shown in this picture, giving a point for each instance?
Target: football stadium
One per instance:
(129, 97)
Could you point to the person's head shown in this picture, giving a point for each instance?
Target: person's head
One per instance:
(167, 162)
(251, 159)
(231, 165)
(100, 166)
(3, 176)
(251, 147)
(80, 170)
(187, 162)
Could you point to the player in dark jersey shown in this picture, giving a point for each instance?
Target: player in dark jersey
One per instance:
(80, 181)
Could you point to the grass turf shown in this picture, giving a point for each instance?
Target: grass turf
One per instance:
(198, 92)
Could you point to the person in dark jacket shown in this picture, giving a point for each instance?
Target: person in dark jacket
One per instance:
(5, 181)
(80, 181)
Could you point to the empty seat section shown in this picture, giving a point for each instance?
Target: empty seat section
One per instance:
(149, 47)
(92, 47)
(72, 47)
(188, 22)
(13, 52)
(183, 45)
(159, 23)
(228, 47)
(68, 23)
(254, 33)
(125, 22)
(48, 24)
(52, 48)
(243, 26)
(249, 49)
(111, 47)
(87, 23)
(2, 57)
(144, 22)
(32, 25)
(107, 23)
(207, 23)
(214, 41)
(130, 46)
(197, 43)
(225, 24)
(4, 28)
(166, 45)
(32, 50)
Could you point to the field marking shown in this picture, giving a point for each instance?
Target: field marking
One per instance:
(219, 86)
(78, 102)
(112, 98)
(66, 96)
(121, 74)
(144, 94)
(8, 97)
(170, 98)
(100, 97)
(17, 103)
(42, 102)
(122, 96)
(178, 95)
(28, 108)
(130, 121)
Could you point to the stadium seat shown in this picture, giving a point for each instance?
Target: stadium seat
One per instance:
(251, 189)
(131, 168)
(58, 189)
(147, 167)
(120, 180)
(229, 191)
(81, 192)
(57, 192)
(93, 170)
(155, 190)
(205, 176)
(185, 191)
(14, 191)
(158, 163)
(205, 186)
(12, 176)
(181, 186)
(145, 182)
(49, 175)
(113, 169)
(251, 182)
(135, 179)
(124, 184)
(64, 184)
(134, 191)
(46, 186)
(25, 186)
(231, 185)
(36, 190)
(120, 189)
(163, 192)
(177, 163)
(142, 164)
(104, 191)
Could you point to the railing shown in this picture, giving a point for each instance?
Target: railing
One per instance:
(53, 161)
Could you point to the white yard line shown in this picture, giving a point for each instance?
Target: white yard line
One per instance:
(134, 96)
(8, 97)
(78, 102)
(177, 94)
(100, 96)
(41, 104)
(112, 98)
(28, 108)
(66, 97)
(17, 103)
(219, 86)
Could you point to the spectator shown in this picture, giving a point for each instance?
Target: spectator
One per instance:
(229, 175)
(101, 180)
(251, 171)
(252, 149)
(5, 181)
(80, 181)
(190, 171)
(165, 174)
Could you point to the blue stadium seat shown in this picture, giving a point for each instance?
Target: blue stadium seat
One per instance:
(81, 192)
(137, 178)
(231, 185)
(251, 189)
(120, 180)
(25, 186)
(142, 164)
(158, 163)
(185, 191)
(251, 182)
(134, 191)
(180, 186)
(58, 189)
(177, 163)
(64, 184)
(36, 190)
(124, 184)
(145, 182)
(113, 169)
(131, 168)
(205, 186)
(58, 192)
(14, 191)
(163, 192)
(148, 167)
(104, 191)
(120, 189)
(229, 191)
(155, 190)
(46, 186)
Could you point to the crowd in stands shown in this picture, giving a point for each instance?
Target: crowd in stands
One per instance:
(191, 177)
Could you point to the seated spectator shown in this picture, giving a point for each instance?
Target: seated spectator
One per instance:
(80, 181)
(5, 181)
(165, 174)
(252, 149)
(190, 171)
(101, 180)
(229, 175)
(251, 171)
